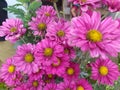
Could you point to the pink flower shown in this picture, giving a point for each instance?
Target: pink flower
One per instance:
(100, 38)
(51, 86)
(9, 74)
(25, 59)
(113, 5)
(66, 85)
(83, 84)
(13, 29)
(39, 25)
(47, 51)
(20, 87)
(105, 71)
(58, 31)
(34, 84)
(58, 66)
(47, 11)
(72, 72)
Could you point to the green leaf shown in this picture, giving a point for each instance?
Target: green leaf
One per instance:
(24, 1)
(2, 86)
(34, 5)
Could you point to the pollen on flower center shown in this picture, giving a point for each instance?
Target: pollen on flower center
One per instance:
(29, 58)
(11, 69)
(50, 75)
(60, 33)
(70, 71)
(42, 26)
(94, 36)
(80, 88)
(56, 64)
(35, 83)
(103, 70)
(13, 29)
(66, 50)
(48, 51)
(83, 1)
(47, 14)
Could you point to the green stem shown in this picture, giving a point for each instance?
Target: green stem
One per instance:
(55, 5)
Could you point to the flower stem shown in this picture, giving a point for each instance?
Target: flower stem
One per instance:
(55, 5)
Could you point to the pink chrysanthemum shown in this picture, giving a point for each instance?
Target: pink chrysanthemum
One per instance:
(105, 71)
(58, 66)
(83, 84)
(113, 5)
(58, 31)
(34, 84)
(20, 87)
(68, 50)
(9, 74)
(47, 51)
(39, 25)
(100, 38)
(72, 72)
(51, 86)
(25, 59)
(66, 85)
(47, 11)
(13, 29)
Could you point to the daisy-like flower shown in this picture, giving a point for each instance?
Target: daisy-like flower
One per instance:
(104, 71)
(66, 85)
(40, 24)
(12, 29)
(113, 5)
(58, 66)
(9, 74)
(47, 51)
(34, 84)
(51, 86)
(47, 11)
(49, 78)
(83, 84)
(72, 72)
(58, 31)
(25, 59)
(101, 38)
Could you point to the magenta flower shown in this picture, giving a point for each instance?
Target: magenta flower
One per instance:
(100, 38)
(105, 71)
(113, 5)
(51, 86)
(58, 66)
(47, 51)
(39, 25)
(25, 59)
(66, 85)
(58, 31)
(47, 11)
(72, 72)
(9, 74)
(83, 84)
(13, 29)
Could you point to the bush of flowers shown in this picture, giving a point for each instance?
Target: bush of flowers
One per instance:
(59, 54)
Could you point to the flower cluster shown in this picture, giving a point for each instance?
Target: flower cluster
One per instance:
(55, 61)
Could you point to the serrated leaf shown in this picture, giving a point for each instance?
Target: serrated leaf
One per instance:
(34, 5)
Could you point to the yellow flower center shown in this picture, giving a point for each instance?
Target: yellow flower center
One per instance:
(70, 71)
(80, 88)
(94, 36)
(56, 64)
(60, 33)
(66, 50)
(48, 51)
(42, 26)
(103, 70)
(13, 29)
(35, 83)
(83, 1)
(29, 58)
(50, 75)
(47, 14)
(11, 69)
